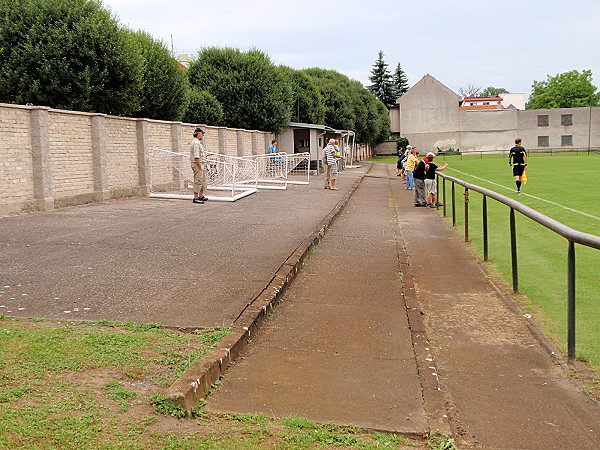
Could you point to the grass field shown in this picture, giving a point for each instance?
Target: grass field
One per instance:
(98, 385)
(570, 183)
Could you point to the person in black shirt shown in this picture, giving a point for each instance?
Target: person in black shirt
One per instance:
(517, 159)
(419, 178)
(430, 182)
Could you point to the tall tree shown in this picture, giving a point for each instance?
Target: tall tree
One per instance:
(165, 86)
(400, 81)
(492, 91)
(254, 93)
(350, 106)
(335, 91)
(565, 90)
(383, 86)
(308, 103)
(204, 108)
(68, 54)
(470, 91)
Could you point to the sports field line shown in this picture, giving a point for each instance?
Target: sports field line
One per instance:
(529, 195)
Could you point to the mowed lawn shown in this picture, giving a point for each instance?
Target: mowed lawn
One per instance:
(572, 184)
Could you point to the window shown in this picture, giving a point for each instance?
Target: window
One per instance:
(566, 140)
(543, 141)
(543, 120)
(566, 119)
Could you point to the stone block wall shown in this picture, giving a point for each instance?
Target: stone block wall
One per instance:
(121, 153)
(52, 158)
(16, 165)
(70, 142)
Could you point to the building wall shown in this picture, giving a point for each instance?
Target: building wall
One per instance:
(427, 106)
(51, 158)
(583, 130)
(285, 141)
(429, 117)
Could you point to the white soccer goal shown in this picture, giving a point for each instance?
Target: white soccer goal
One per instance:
(271, 170)
(276, 171)
(297, 168)
(229, 178)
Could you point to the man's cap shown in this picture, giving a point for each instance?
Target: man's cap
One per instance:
(331, 141)
(431, 155)
(409, 146)
(198, 130)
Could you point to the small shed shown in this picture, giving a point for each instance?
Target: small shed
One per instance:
(311, 138)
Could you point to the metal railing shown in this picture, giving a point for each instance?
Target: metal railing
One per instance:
(532, 152)
(571, 235)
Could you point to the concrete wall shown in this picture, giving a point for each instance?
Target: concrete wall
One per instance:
(428, 113)
(51, 158)
(387, 148)
(428, 116)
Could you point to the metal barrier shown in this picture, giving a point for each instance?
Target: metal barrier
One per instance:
(532, 152)
(571, 235)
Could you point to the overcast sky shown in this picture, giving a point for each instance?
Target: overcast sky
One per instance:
(500, 43)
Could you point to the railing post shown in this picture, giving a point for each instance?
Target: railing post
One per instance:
(444, 194)
(571, 301)
(453, 205)
(485, 230)
(513, 250)
(466, 215)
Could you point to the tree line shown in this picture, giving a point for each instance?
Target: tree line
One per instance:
(74, 54)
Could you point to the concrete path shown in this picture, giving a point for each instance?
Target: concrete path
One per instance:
(390, 307)
(502, 387)
(338, 348)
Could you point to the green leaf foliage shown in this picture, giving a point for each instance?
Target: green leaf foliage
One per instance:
(491, 91)
(69, 54)
(335, 91)
(308, 104)
(203, 108)
(400, 81)
(165, 88)
(565, 90)
(253, 92)
(350, 106)
(383, 84)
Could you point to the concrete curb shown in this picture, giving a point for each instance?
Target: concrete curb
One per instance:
(197, 382)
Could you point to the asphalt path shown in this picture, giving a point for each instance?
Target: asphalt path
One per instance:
(154, 260)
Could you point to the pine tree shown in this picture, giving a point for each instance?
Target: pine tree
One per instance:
(400, 81)
(383, 86)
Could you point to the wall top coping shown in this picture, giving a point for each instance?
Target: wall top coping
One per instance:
(90, 114)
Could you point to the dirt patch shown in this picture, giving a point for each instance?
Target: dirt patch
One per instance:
(73, 384)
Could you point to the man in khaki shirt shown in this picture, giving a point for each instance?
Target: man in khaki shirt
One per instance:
(198, 160)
